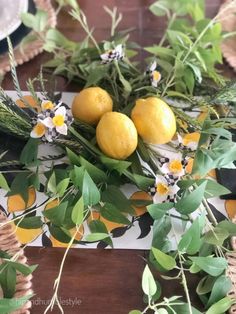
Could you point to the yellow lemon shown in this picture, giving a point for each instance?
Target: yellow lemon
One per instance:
(91, 104)
(16, 203)
(154, 120)
(25, 236)
(143, 196)
(116, 135)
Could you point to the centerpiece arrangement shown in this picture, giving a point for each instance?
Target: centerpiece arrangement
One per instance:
(162, 131)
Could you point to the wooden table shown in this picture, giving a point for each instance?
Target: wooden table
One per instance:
(98, 281)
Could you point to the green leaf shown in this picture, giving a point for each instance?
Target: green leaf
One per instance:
(114, 195)
(28, 19)
(184, 309)
(52, 184)
(191, 240)
(229, 226)
(29, 222)
(20, 185)
(161, 229)
(10, 305)
(114, 164)
(97, 226)
(62, 186)
(96, 75)
(94, 237)
(160, 8)
(162, 311)
(56, 214)
(162, 52)
(41, 20)
(143, 182)
(90, 192)
(216, 236)
(111, 213)
(77, 175)
(220, 289)
(205, 285)
(3, 183)
(221, 153)
(78, 212)
(221, 306)
(73, 157)
(211, 265)
(23, 269)
(188, 204)
(8, 280)
(95, 173)
(148, 282)
(157, 211)
(166, 261)
(59, 234)
(135, 312)
(213, 188)
(54, 39)
(29, 154)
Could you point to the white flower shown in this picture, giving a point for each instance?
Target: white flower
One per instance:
(52, 121)
(165, 189)
(189, 140)
(174, 166)
(155, 75)
(115, 54)
(57, 121)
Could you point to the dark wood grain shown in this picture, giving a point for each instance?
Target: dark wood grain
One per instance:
(109, 281)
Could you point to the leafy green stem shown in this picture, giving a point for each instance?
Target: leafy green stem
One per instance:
(171, 21)
(184, 283)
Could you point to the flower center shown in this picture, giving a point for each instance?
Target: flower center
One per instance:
(156, 75)
(39, 129)
(58, 120)
(47, 105)
(162, 189)
(175, 166)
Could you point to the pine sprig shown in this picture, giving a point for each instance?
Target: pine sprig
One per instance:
(14, 75)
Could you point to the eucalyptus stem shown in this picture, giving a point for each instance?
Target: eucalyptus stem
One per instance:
(184, 283)
(81, 18)
(171, 21)
(58, 279)
(210, 213)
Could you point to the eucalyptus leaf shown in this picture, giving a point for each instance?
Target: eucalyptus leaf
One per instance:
(211, 265)
(148, 282)
(157, 211)
(188, 204)
(78, 212)
(166, 261)
(94, 237)
(90, 192)
(220, 289)
(10, 305)
(111, 213)
(56, 214)
(221, 306)
(3, 183)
